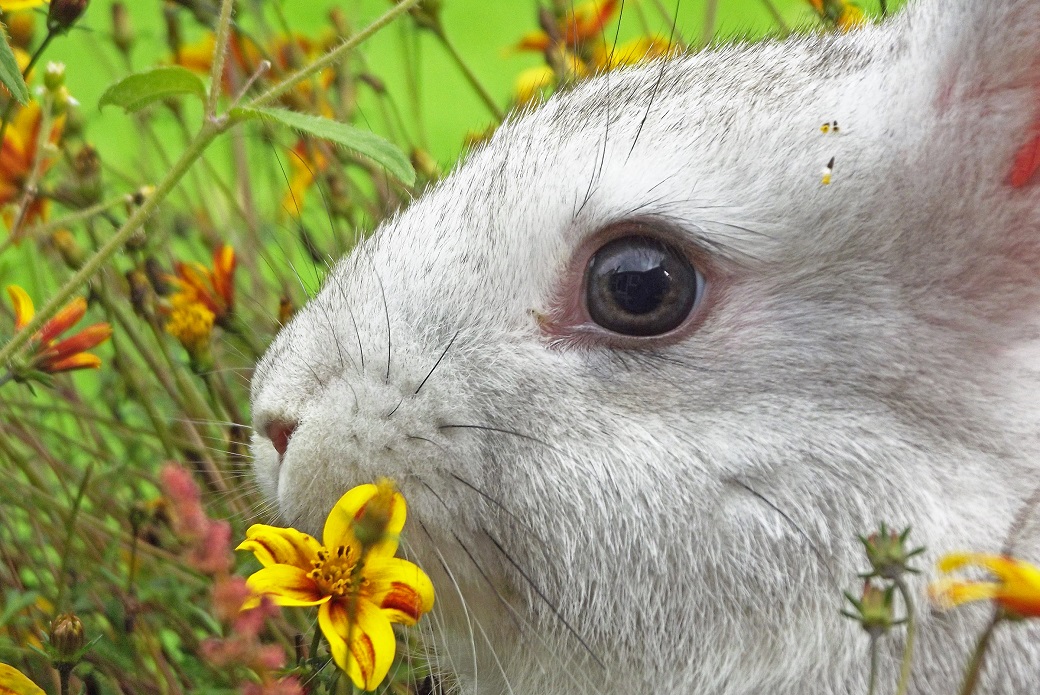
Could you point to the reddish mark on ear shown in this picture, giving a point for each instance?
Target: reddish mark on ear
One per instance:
(1027, 161)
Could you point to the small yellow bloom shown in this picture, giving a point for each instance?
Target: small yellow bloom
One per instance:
(637, 50)
(578, 25)
(191, 323)
(841, 13)
(1016, 589)
(14, 682)
(18, 154)
(214, 289)
(360, 588)
(306, 162)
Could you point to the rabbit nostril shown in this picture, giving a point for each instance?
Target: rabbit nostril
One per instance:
(280, 432)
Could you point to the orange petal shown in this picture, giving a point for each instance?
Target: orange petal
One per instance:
(224, 274)
(339, 525)
(65, 319)
(399, 588)
(370, 639)
(280, 546)
(948, 593)
(286, 586)
(534, 41)
(23, 306)
(83, 360)
(89, 337)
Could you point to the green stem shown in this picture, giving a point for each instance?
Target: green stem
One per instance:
(332, 56)
(911, 630)
(70, 528)
(884, 8)
(216, 75)
(470, 76)
(974, 669)
(872, 682)
(73, 218)
(9, 376)
(206, 135)
(211, 128)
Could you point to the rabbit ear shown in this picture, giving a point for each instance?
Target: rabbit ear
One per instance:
(989, 63)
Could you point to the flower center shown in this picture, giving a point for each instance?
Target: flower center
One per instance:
(333, 570)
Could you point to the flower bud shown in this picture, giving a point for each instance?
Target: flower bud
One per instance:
(285, 310)
(122, 29)
(425, 165)
(888, 554)
(70, 251)
(54, 76)
(64, 13)
(370, 527)
(67, 638)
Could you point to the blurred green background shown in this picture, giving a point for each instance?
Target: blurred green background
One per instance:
(483, 31)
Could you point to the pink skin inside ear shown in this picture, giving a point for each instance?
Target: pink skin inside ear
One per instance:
(280, 432)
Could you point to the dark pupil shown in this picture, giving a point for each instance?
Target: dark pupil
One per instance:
(640, 286)
(639, 291)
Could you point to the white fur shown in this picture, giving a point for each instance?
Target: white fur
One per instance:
(871, 356)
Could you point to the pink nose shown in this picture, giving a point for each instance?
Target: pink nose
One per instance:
(280, 432)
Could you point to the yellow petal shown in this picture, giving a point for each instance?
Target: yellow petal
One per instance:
(82, 360)
(339, 525)
(286, 586)
(280, 546)
(370, 638)
(23, 306)
(16, 5)
(14, 682)
(947, 593)
(400, 589)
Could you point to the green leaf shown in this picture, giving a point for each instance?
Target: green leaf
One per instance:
(135, 92)
(11, 74)
(363, 142)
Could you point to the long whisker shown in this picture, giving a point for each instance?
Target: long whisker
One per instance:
(541, 595)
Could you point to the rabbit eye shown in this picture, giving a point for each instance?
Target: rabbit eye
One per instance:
(641, 286)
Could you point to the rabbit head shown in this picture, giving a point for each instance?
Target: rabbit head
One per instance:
(643, 376)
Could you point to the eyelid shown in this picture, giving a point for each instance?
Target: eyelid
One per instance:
(566, 323)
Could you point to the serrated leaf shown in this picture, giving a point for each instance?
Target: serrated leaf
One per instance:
(364, 142)
(11, 74)
(135, 92)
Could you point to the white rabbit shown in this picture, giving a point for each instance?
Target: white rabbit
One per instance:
(643, 377)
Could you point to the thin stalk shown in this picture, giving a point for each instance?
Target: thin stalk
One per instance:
(872, 682)
(9, 376)
(777, 17)
(332, 56)
(70, 529)
(206, 135)
(470, 76)
(974, 669)
(211, 128)
(73, 218)
(216, 75)
(6, 118)
(911, 631)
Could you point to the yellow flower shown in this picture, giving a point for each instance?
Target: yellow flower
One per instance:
(1016, 589)
(843, 14)
(191, 323)
(360, 587)
(48, 354)
(632, 52)
(14, 682)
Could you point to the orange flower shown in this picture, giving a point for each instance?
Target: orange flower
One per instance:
(18, 153)
(213, 289)
(582, 23)
(1016, 589)
(47, 353)
(360, 588)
